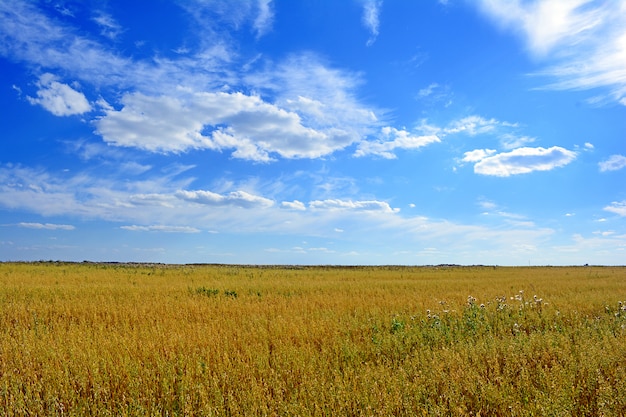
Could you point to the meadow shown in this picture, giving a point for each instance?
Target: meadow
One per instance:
(220, 340)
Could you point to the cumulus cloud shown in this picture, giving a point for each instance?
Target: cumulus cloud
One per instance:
(371, 11)
(236, 198)
(313, 116)
(519, 161)
(308, 109)
(392, 139)
(614, 163)
(59, 99)
(368, 205)
(617, 207)
(586, 39)
(218, 121)
(161, 228)
(46, 226)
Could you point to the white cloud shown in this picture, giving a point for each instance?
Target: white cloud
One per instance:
(108, 26)
(371, 205)
(151, 200)
(293, 205)
(313, 116)
(308, 109)
(28, 35)
(161, 228)
(545, 23)
(427, 91)
(473, 125)
(392, 139)
(617, 207)
(523, 161)
(46, 226)
(215, 121)
(614, 163)
(59, 99)
(323, 96)
(235, 198)
(511, 141)
(256, 15)
(477, 155)
(265, 17)
(370, 222)
(371, 11)
(586, 39)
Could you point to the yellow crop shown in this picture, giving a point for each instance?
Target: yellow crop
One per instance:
(107, 339)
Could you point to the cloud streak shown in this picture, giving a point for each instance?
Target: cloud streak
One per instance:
(585, 40)
(371, 21)
(161, 228)
(46, 226)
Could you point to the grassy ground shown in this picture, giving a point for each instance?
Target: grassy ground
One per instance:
(92, 339)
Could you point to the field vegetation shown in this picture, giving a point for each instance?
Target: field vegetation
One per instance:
(199, 340)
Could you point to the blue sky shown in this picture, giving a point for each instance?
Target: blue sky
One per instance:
(314, 132)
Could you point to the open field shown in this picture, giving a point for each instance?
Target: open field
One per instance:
(106, 339)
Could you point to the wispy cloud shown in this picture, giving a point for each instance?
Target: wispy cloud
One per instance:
(161, 228)
(256, 16)
(265, 17)
(108, 26)
(46, 226)
(585, 40)
(512, 141)
(617, 207)
(474, 125)
(371, 11)
(308, 109)
(613, 163)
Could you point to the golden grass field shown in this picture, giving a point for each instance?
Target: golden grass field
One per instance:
(108, 339)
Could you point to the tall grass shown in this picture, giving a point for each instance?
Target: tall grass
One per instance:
(93, 339)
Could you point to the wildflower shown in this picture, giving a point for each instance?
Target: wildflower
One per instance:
(482, 306)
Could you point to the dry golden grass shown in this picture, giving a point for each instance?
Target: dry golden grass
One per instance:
(92, 339)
